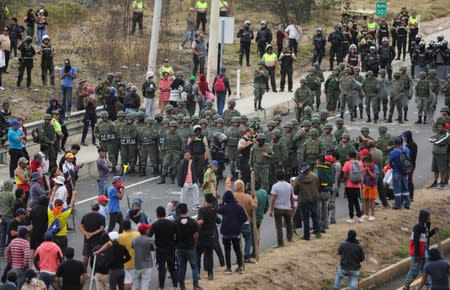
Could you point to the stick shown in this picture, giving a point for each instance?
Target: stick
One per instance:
(254, 225)
(92, 273)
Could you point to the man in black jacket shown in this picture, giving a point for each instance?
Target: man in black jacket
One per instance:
(186, 180)
(352, 254)
(245, 34)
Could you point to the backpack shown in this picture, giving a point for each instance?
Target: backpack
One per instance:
(35, 135)
(406, 166)
(356, 172)
(219, 85)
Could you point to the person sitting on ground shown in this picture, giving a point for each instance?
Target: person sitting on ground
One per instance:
(136, 214)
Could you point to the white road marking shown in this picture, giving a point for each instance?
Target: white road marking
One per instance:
(126, 187)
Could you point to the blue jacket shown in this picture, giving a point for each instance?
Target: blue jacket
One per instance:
(233, 216)
(14, 138)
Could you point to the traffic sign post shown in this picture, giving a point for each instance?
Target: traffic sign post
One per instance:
(381, 9)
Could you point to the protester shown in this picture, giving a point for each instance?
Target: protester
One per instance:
(36, 189)
(47, 260)
(164, 92)
(353, 177)
(15, 143)
(68, 73)
(125, 240)
(19, 221)
(399, 176)
(7, 199)
(438, 269)
(352, 254)
(17, 253)
(136, 214)
(92, 227)
(71, 274)
(143, 263)
(32, 282)
(116, 192)
(220, 87)
(11, 281)
(103, 167)
(39, 222)
(186, 180)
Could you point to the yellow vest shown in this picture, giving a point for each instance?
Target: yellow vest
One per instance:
(412, 21)
(201, 5)
(371, 26)
(139, 5)
(222, 5)
(269, 59)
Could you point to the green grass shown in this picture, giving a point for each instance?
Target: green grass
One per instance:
(444, 233)
(401, 252)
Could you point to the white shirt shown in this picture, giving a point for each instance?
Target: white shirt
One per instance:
(294, 32)
(61, 193)
(44, 163)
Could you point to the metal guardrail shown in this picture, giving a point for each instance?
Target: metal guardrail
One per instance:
(74, 124)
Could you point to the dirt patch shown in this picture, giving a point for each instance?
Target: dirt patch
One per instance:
(312, 265)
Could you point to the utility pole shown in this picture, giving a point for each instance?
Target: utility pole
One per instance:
(153, 52)
(213, 41)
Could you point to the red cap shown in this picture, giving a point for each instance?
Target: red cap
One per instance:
(329, 158)
(102, 198)
(144, 227)
(364, 152)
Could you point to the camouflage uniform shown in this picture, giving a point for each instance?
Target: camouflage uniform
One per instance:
(148, 139)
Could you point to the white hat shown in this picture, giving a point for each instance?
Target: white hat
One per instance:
(149, 74)
(196, 127)
(113, 236)
(59, 180)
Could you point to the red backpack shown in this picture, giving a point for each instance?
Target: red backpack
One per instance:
(219, 85)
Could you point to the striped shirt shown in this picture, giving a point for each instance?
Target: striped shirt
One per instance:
(18, 253)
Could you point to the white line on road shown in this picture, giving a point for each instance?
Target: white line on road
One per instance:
(126, 187)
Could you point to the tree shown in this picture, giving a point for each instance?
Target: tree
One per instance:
(286, 11)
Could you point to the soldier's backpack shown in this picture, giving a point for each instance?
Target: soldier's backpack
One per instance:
(35, 135)
(219, 85)
(356, 172)
(406, 166)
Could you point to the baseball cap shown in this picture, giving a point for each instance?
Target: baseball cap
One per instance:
(142, 228)
(116, 179)
(102, 198)
(20, 211)
(113, 236)
(70, 155)
(398, 140)
(215, 163)
(23, 160)
(303, 167)
(329, 158)
(364, 152)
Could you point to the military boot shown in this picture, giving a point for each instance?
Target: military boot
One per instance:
(342, 115)
(405, 115)
(419, 121)
(162, 180)
(389, 120)
(375, 118)
(155, 171)
(360, 113)
(259, 106)
(424, 119)
(384, 115)
(368, 118)
(256, 106)
(143, 172)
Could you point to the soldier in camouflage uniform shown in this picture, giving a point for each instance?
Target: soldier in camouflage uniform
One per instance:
(105, 131)
(340, 129)
(312, 148)
(244, 121)
(179, 119)
(332, 90)
(139, 123)
(307, 113)
(260, 85)
(369, 89)
(208, 107)
(346, 87)
(118, 123)
(327, 140)
(230, 112)
(260, 161)
(319, 72)
(173, 148)
(314, 84)
(185, 130)
(446, 91)
(423, 97)
(181, 108)
(233, 134)
(344, 148)
(398, 93)
(295, 125)
(383, 91)
(300, 138)
(361, 141)
(303, 97)
(279, 156)
(358, 97)
(435, 88)
(323, 117)
(117, 79)
(407, 89)
(128, 143)
(256, 125)
(269, 131)
(291, 162)
(162, 133)
(315, 124)
(277, 120)
(102, 90)
(148, 139)
(383, 141)
(47, 137)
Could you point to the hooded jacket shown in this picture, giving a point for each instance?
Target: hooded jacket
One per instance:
(351, 252)
(182, 170)
(132, 213)
(58, 107)
(412, 146)
(233, 216)
(420, 236)
(307, 188)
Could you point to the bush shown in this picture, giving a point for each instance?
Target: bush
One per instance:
(65, 13)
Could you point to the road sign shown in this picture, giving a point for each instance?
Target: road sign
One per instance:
(381, 9)
(226, 30)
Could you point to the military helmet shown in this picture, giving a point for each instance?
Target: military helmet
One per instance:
(356, 69)
(444, 109)
(294, 122)
(203, 121)
(149, 120)
(207, 113)
(216, 116)
(118, 74)
(396, 74)
(382, 129)
(328, 126)
(315, 120)
(348, 70)
(403, 68)
(346, 135)
(104, 114)
(236, 119)
(271, 123)
(244, 117)
(218, 120)
(139, 115)
(306, 123)
(166, 121)
(342, 65)
(422, 74)
(168, 107)
(303, 81)
(276, 132)
(121, 114)
(369, 73)
(131, 116)
(158, 115)
(260, 137)
(307, 109)
(337, 69)
(47, 117)
(324, 113)
(208, 103)
(181, 102)
(288, 125)
(339, 121)
(180, 116)
(432, 72)
(364, 129)
(448, 75)
(195, 118)
(109, 75)
(382, 71)
(256, 119)
(277, 118)
(173, 124)
(232, 103)
(313, 131)
(186, 119)
(142, 109)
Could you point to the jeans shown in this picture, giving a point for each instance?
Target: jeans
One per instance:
(163, 257)
(149, 105)
(20, 277)
(102, 186)
(40, 34)
(188, 35)
(246, 231)
(416, 267)
(183, 257)
(353, 276)
(401, 192)
(117, 278)
(4, 231)
(323, 209)
(279, 215)
(208, 258)
(130, 111)
(190, 187)
(141, 278)
(310, 210)
(237, 250)
(48, 279)
(66, 98)
(199, 63)
(220, 102)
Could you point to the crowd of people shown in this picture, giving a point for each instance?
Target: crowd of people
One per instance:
(291, 170)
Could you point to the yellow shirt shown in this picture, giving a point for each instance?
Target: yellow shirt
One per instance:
(269, 59)
(201, 6)
(412, 22)
(62, 218)
(372, 26)
(125, 239)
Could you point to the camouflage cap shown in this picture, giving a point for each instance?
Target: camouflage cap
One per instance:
(173, 124)
(149, 120)
(382, 129)
(236, 119)
(288, 125)
(277, 118)
(306, 123)
(121, 114)
(339, 121)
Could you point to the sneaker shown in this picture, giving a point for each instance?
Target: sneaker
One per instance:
(228, 271)
(196, 207)
(443, 186)
(361, 220)
(350, 221)
(364, 216)
(433, 185)
(239, 270)
(249, 261)
(371, 218)
(2, 88)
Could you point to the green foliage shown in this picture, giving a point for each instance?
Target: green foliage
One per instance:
(65, 12)
(401, 252)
